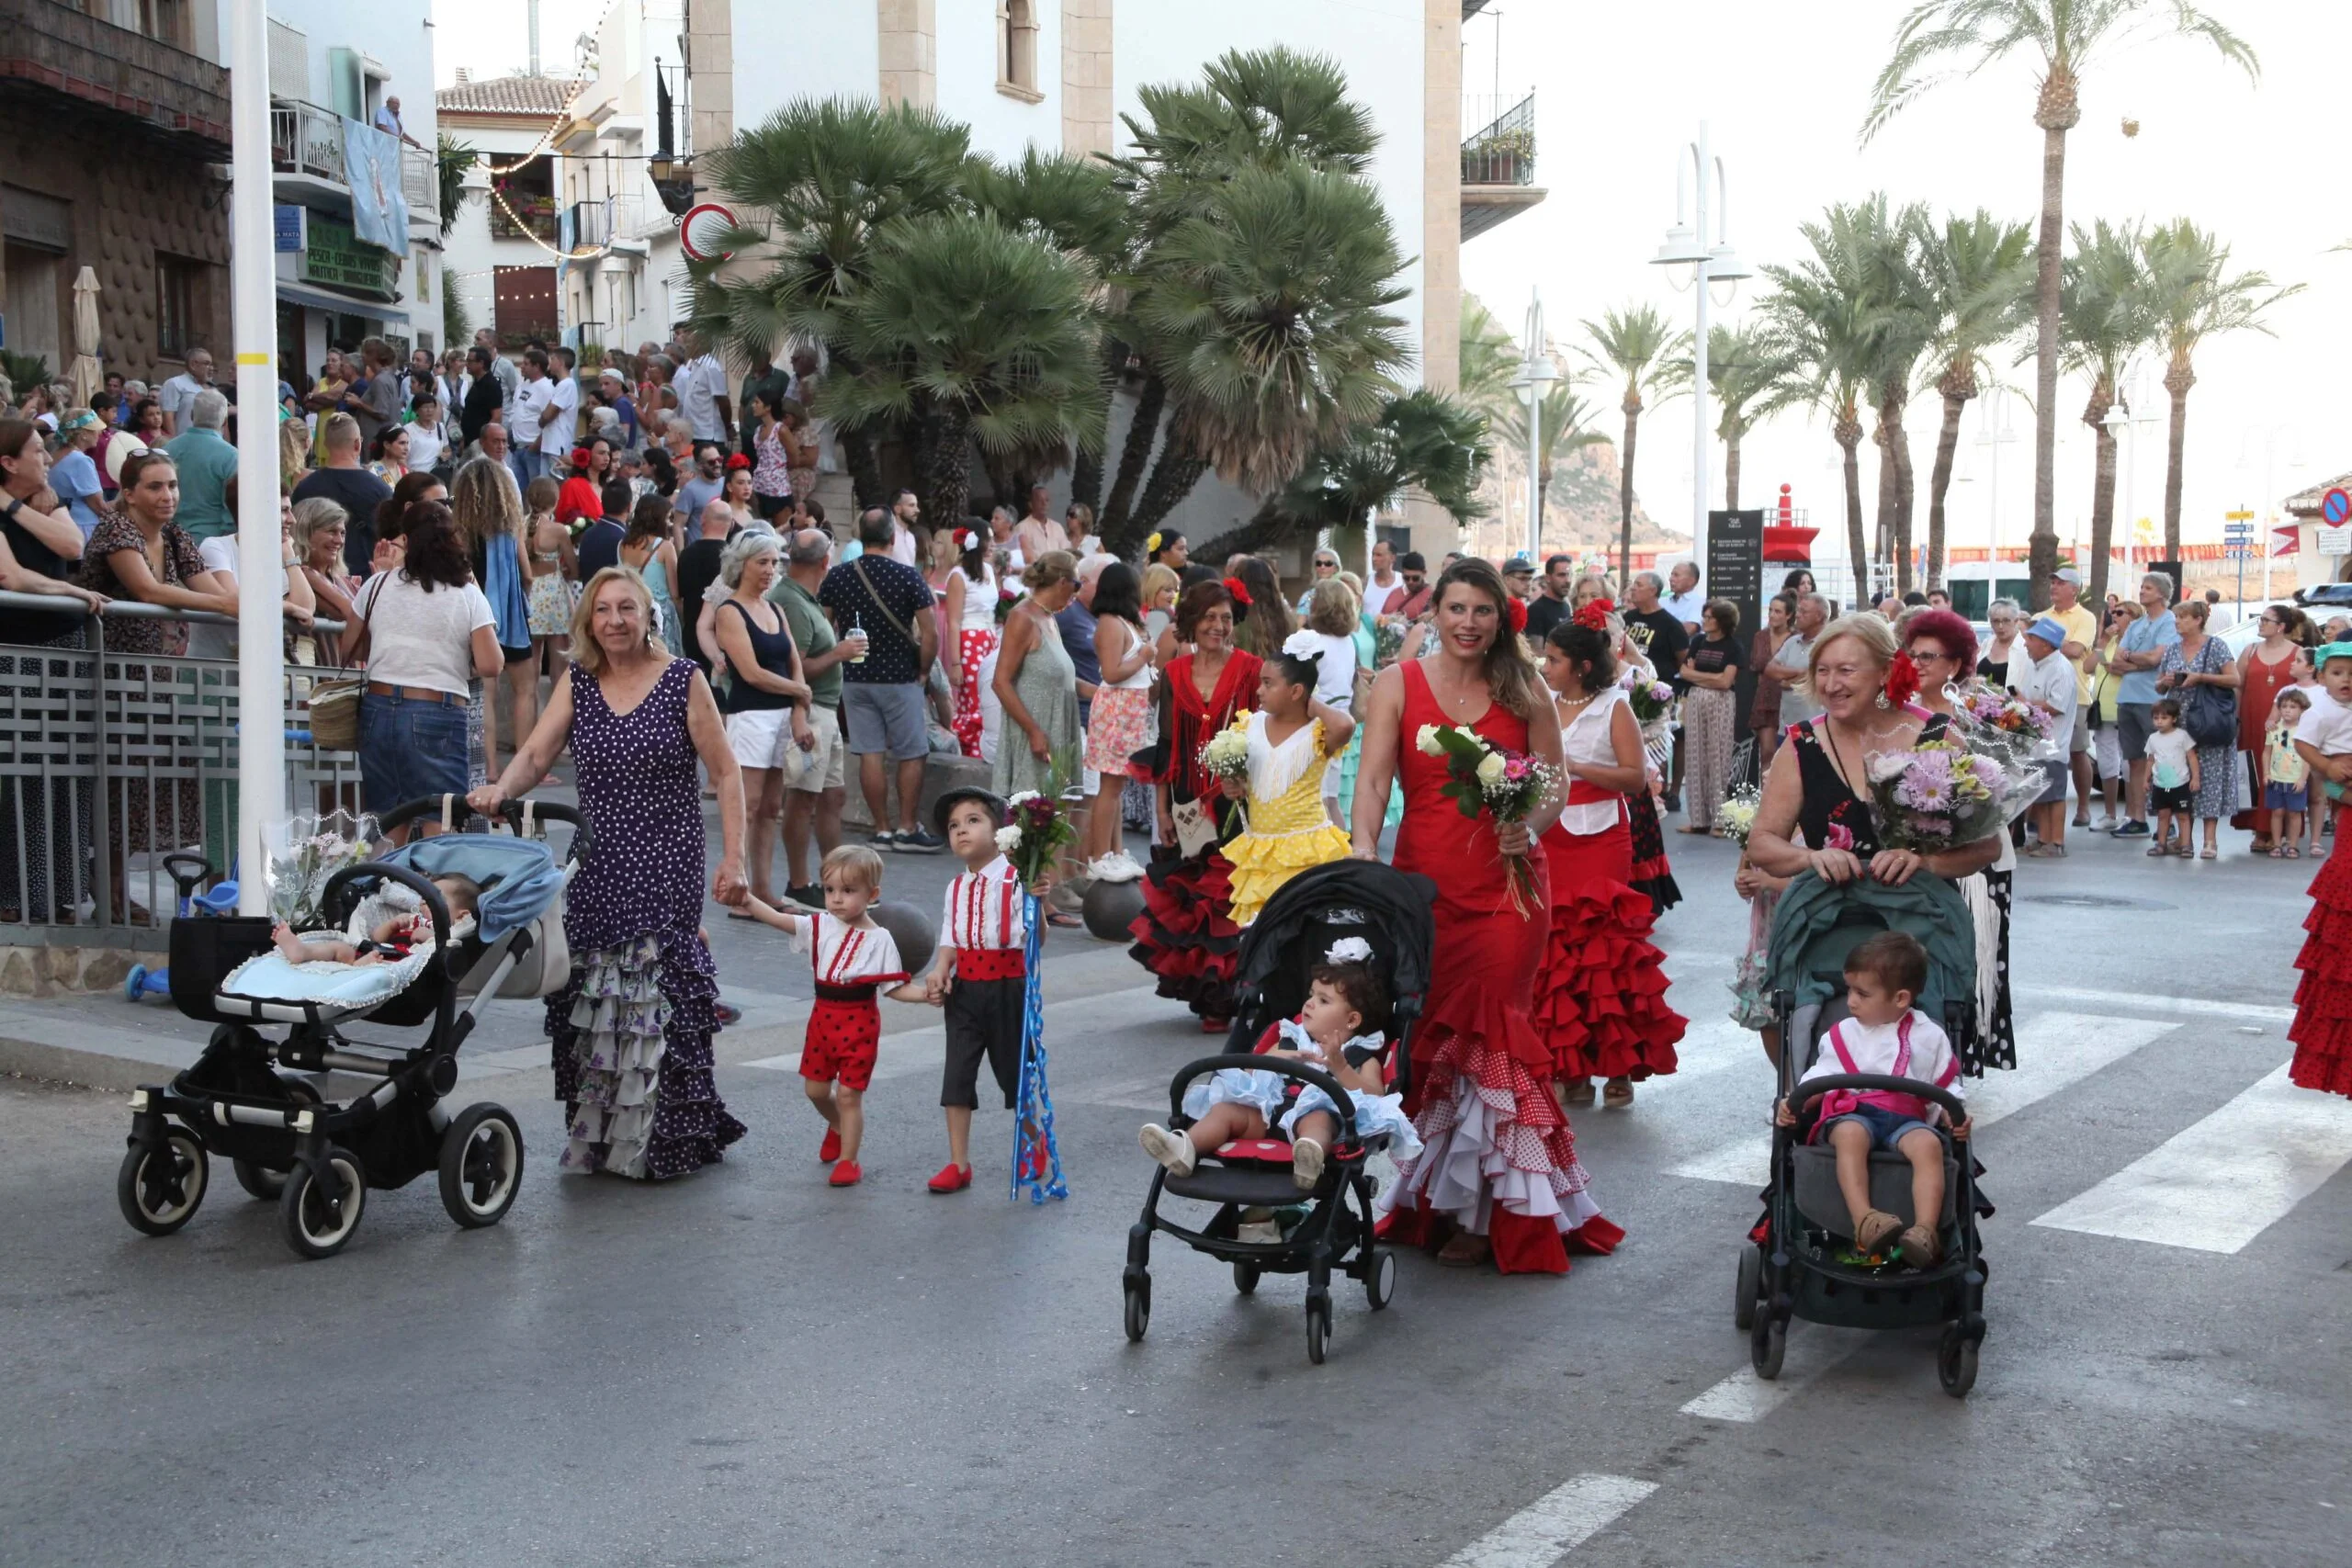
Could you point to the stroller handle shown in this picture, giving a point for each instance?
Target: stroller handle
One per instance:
(1281, 1067)
(459, 814)
(1952, 1104)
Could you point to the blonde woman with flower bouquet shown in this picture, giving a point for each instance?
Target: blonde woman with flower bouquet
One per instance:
(1498, 1178)
(1291, 739)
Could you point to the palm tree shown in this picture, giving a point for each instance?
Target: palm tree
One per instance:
(1979, 274)
(1754, 372)
(1822, 306)
(1885, 243)
(1489, 359)
(2109, 315)
(1636, 346)
(967, 335)
(2195, 298)
(1941, 39)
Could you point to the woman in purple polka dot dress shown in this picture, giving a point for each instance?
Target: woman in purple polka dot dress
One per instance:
(632, 1029)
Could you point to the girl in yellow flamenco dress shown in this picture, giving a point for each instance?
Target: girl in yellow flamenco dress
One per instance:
(1290, 738)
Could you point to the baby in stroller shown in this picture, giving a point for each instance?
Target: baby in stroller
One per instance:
(1885, 1034)
(392, 939)
(1341, 1029)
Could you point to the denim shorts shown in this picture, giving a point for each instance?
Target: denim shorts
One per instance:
(2286, 798)
(410, 749)
(1886, 1127)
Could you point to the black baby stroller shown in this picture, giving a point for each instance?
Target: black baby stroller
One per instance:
(249, 1098)
(1802, 1262)
(1390, 910)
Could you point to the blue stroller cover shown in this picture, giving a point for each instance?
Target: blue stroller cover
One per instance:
(518, 877)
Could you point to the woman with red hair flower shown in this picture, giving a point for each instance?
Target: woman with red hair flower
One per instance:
(581, 499)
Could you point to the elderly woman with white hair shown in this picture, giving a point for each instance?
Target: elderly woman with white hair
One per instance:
(766, 703)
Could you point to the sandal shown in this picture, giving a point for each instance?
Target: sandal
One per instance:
(1874, 1230)
(1617, 1094)
(1920, 1249)
(2205, 854)
(1578, 1092)
(2290, 852)
(2159, 850)
(1463, 1250)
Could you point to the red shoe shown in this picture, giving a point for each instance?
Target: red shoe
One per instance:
(1216, 1025)
(1033, 1168)
(848, 1173)
(952, 1178)
(831, 1149)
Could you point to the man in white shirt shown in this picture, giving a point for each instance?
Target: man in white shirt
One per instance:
(388, 121)
(1038, 532)
(178, 394)
(1385, 586)
(2048, 684)
(905, 549)
(701, 385)
(524, 412)
(1683, 600)
(560, 421)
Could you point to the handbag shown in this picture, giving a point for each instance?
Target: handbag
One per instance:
(335, 704)
(2210, 714)
(1196, 828)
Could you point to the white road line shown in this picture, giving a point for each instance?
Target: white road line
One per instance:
(2055, 1050)
(1554, 1525)
(2217, 1184)
(2197, 1006)
(1811, 1350)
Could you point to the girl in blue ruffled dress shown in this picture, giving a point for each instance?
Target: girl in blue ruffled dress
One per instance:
(1341, 1029)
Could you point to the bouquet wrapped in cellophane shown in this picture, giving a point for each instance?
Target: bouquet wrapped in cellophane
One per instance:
(305, 852)
(1951, 791)
(1735, 818)
(1994, 721)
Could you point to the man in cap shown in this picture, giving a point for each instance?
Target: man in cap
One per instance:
(1519, 576)
(2048, 684)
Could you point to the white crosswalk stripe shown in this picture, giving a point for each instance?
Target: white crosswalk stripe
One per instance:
(1554, 1525)
(2055, 1050)
(2224, 1180)
(1811, 1350)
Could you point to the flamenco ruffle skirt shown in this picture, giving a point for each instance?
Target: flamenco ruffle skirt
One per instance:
(2323, 1028)
(1600, 998)
(1186, 934)
(1262, 864)
(1652, 876)
(1498, 1159)
(633, 1057)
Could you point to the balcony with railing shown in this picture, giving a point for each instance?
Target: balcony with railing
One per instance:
(1498, 163)
(306, 147)
(606, 221)
(56, 52)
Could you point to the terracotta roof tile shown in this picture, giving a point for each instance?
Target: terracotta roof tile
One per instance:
(542, 96)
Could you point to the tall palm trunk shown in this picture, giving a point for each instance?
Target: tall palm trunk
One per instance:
(1731, 471)
(2056, 111)
(861, 456)
(1847, 430)
(2102, 491)
(1632, 406)
(944, 463)
(1882, 526)
(1135, 455)
(1956, 386)
(1905, 498)
(2178, 378)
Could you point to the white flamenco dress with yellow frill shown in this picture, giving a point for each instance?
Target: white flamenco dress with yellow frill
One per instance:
(1287, 830)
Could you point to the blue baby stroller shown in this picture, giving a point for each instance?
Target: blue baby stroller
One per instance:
(1330, 1228)
(253, 1101)
(1800, 1262)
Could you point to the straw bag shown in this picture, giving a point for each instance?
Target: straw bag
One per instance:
(335, 704)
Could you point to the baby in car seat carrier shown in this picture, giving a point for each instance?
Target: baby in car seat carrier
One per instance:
(390, 940)
(1342, 1028)
(1885, 1034)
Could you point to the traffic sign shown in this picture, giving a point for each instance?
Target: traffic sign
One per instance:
(2336, 506)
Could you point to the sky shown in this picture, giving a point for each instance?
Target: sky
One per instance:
(491, 38)
(2261, 164)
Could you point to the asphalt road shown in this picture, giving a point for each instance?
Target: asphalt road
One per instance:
(746, 1367)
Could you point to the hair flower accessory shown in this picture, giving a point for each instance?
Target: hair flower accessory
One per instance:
(966, 540)
(1595, 615)
(1151, 544)
(1241, 594)
(1902, 679)
(582, 456)
(738, 461)
(1302, 645)
(1515, 610)
(1349, 950)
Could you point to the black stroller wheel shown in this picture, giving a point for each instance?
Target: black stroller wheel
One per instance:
(1956, 1361)
(1319, 1326)
(315, 1225)
(1139, 1307)
(1750, 1289)
(1380, 1278)
(265, 1185)
(482, 1165)
(161, 1189)
(1767, 1344)
(1245, 1278)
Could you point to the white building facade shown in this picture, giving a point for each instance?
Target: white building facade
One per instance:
(505, 247)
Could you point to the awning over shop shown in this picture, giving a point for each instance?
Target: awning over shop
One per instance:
(342, 304)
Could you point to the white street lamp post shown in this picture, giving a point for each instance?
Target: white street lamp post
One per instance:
(1536, 375)
(1712, 260)
(261, 663)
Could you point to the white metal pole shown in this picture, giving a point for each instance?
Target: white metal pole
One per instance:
(261, 663)
(1699, 370)
(1534, 473)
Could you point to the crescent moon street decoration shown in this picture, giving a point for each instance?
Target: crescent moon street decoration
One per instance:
(701, 230)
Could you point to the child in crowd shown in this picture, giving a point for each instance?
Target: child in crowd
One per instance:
(1292, 737)
(980, 977)
(2324, 735)
(392, 940)
(2286, 787)
(854, 960)
(2172, 780)
(1341, 1029)
(1885, 1034)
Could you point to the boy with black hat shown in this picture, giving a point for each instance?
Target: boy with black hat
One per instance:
(981, 974)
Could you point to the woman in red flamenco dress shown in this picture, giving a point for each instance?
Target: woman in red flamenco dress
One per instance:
(1185, 934)
(1601, 999)
(1499, 1171)
(2323, 1028)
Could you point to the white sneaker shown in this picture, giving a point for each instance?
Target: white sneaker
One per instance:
(1306, 1164)
(1117, 867)
(1171, 1149)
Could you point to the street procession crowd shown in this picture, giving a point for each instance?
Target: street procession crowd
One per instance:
(652, 550)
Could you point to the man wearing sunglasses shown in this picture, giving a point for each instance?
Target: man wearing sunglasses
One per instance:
(2135, 658)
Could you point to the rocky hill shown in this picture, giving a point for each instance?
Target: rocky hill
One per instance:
(1580, 511)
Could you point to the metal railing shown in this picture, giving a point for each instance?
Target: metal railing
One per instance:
(110, 760)
(421, 183)
(1503, 152)
(306, 140)
(607, 219)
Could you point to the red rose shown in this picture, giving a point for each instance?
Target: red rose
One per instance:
(1902, 680)
(1595, 615)
(1518, 613)
(1241, 594)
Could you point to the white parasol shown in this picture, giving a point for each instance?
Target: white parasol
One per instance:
(88, 375)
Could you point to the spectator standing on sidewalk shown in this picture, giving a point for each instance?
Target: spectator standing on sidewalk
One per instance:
(882, 693)
(2137, 659)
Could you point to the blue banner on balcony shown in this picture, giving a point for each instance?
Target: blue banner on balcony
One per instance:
(371, 163)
